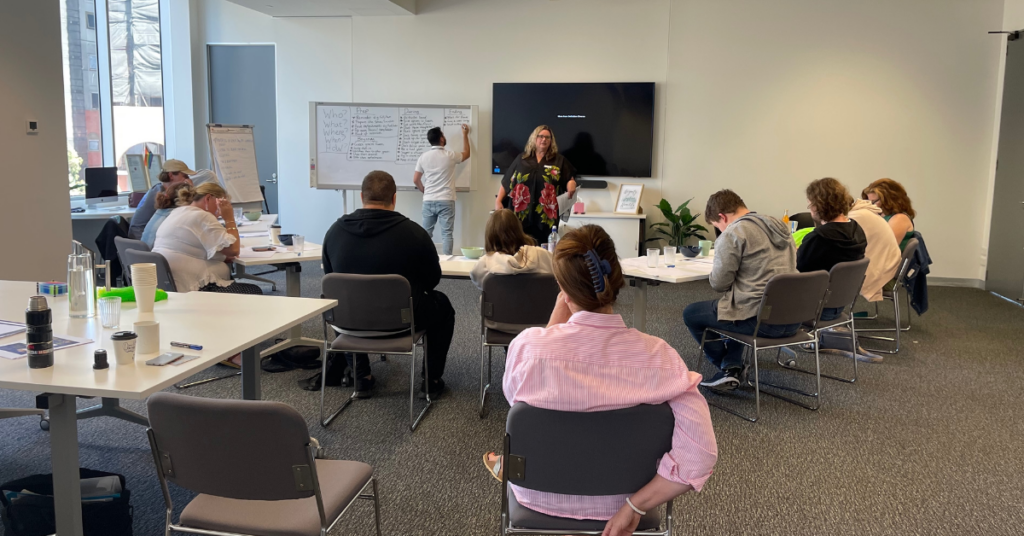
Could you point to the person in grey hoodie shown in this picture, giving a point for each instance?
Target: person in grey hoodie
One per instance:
(751, 250)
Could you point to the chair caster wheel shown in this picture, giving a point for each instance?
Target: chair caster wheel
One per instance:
(44, 424)
(791, 363)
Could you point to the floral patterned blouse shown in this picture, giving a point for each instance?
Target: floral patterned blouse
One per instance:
(532, 189)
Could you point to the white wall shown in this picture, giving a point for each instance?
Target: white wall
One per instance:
(755, 96)
(1013, 15)
(34, 204)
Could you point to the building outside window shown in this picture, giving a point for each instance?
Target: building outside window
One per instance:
(136, 80)
(135, 104)
(81, 89)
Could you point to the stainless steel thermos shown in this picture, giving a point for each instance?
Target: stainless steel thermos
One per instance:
(39, 321)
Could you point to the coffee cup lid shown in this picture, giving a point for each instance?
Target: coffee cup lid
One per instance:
(275, 226)
(123, 336)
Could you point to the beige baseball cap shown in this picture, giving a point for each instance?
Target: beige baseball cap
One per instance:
(177, 165)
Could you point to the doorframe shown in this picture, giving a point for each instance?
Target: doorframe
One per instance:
(277, 116)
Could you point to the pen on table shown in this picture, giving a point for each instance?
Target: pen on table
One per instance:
(186, 345)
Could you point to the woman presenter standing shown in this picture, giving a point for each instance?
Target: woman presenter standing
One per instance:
(533, 182)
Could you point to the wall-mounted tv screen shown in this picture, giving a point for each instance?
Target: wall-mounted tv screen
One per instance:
(603, 129)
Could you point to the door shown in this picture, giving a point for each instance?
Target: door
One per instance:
(243, 84)
(1006, 241)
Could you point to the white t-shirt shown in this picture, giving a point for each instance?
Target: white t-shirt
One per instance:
(191, 239)
(438, 168)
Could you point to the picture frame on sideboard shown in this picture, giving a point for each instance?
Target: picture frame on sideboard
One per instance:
(628, 199)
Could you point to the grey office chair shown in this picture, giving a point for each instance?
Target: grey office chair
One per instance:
(164, 278)
(124, 244)
(374, 315)
(902, 275)
(787, 299)
(253, 465)
(600, 453)
(508, 305)
(844, 283)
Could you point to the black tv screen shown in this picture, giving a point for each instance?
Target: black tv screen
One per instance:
(603, 129)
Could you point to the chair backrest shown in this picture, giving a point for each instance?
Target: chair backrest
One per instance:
(164, 278)
(240, 449)
(906, 260)
(368, 302)
(597, 453)
(793, 298)
(516, 302)
(844, 283)
(124, 244)
(803, 220)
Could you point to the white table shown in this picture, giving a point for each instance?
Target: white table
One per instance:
(456, 267)
(685, 270)
(224, 324)
(292, 281)
(103, 213)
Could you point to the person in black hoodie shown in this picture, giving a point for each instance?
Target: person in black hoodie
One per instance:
(377, 240)
(835, 238)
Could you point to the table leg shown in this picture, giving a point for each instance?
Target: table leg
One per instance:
(640, 306)
(250, 374)
(67, 486)
(240, 273)
(292, 289)
(111, 407)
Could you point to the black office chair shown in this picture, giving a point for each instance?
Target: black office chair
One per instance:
(598, 453)
(164, 278)
(124, 244)
(803, 220)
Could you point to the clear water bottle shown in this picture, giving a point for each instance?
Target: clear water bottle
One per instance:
(553, 239)
(81, 286)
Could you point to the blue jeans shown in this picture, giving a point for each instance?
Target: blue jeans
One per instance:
(831, 313)
(727, 355)
(444, 211)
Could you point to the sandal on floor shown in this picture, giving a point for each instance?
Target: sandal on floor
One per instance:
(494, 467)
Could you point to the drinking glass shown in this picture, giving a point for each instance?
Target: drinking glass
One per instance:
(238, 214)
(793, 226)
(652, 257)
(298, 242)
(670, 255)
(110, 311)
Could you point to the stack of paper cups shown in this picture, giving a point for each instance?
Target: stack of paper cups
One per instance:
(144, 283)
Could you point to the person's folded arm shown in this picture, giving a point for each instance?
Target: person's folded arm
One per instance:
(727, 262)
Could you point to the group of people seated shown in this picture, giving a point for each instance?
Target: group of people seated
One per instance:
(585, 347)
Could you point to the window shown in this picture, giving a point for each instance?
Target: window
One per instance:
(81, 89)
(136, 80)
(132, 63)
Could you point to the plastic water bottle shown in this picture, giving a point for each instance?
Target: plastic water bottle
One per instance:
(553, 239)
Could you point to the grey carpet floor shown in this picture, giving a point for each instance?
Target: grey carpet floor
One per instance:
(928, 442)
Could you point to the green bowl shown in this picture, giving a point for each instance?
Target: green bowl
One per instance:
(252, 216)
(473, 253)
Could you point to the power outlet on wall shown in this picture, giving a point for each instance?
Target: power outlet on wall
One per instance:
(31, 127)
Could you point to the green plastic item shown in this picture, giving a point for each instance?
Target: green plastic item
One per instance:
(798, 236)
(127, 294)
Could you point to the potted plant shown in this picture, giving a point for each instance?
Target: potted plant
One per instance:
(679, 225)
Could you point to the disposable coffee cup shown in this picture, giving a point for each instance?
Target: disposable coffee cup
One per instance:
(145, 297)
(275, 232)
(149, 336)
(124, 347)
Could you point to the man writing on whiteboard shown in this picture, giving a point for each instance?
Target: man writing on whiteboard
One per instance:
(435, 177)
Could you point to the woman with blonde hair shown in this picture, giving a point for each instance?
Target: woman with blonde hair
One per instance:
(509, 250)
(533, 182)
(197, 246)
(892, 199)
(586, 360)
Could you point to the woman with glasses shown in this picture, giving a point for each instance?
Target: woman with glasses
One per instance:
(197, 246)
(890, 196)
(533, 182)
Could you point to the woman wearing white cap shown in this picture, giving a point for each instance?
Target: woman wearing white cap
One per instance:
(172, 172)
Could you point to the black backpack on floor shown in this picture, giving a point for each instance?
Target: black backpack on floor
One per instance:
(34, 516)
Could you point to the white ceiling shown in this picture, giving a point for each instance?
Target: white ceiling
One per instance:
(331, 8)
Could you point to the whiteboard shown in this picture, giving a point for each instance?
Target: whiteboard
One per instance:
(349, 140)
(233, 152)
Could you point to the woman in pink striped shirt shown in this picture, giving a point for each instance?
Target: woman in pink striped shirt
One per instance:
(586, 359)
